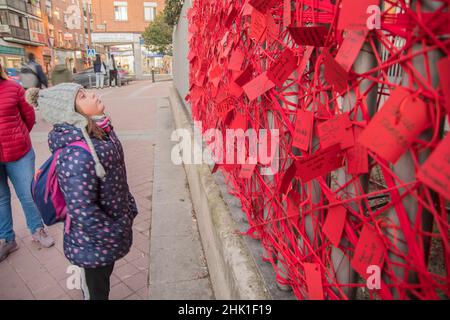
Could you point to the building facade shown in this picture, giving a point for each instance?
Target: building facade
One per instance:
(56, 31)
(117, 30)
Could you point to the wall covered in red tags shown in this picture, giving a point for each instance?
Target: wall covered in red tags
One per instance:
(358, 92)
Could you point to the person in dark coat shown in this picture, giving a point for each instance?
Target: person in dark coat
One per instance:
(100, 206)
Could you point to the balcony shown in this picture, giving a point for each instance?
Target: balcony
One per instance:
(22, 6)
(20, 33)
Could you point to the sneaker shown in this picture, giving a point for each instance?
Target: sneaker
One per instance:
(41, 236)
(6, 247)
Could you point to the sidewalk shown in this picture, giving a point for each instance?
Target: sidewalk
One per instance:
(35, 273)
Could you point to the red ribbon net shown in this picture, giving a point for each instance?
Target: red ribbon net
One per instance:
(359, 93)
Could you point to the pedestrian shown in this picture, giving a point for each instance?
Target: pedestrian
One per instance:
(112, 71)
(17, 158)
(32, 75)
(61, 74)
(100, 72)
(94, 184)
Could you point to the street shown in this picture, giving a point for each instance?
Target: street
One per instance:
(37, 273)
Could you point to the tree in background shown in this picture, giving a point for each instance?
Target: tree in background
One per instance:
(172, 11)
(158, 36)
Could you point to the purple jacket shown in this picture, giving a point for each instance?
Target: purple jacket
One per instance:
(101, 211)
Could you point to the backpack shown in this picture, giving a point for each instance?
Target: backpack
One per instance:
(29, 77)
(46, 193)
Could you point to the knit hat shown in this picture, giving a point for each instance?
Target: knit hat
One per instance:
(57, 105)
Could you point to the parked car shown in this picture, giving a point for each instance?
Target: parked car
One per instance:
(13, 74)
(82, 77)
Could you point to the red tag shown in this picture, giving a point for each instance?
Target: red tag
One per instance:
(393, 129)
(283, 67)
(303, 129)
(435, 172)
(313, 278)
(357, 157)
(263, 5)
(350, 47)
(306, 55)
(293, 204)
(245, 76)
(443, 67)
(272, 27)
(334, 224)
(236, 59)
(336, 130)
(232, 13)
(247, 171)
(287, 13)
(320, 163)
(235, 90)
(258, 86)
(309, 36)
(258, 26)
(335, 74)
(369, 251)
(353, 14)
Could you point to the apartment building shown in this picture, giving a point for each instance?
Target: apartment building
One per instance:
(117, 30)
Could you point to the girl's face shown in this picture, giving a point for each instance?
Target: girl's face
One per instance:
(89, 103)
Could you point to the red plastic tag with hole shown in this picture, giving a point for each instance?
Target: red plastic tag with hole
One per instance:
(236, 60)
(313, 278)
(435, 172)
(393, 129)
(283, 67)
(258, 26)
(357, 156)
(263, 5)
(334, 224)
(247, 171)
(335, 74)
(369, 251)
(350, 47)
(258, 86)
(303, 129)
(336, 130)
(309, 36)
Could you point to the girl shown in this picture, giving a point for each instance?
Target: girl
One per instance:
(100, 206)
(17, 163)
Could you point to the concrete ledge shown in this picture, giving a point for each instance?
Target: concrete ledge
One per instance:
(233, 271)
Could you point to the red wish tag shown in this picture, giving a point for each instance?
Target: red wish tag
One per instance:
(350, 47)
(245, 76)
(283, 67)
(309, 36)
(334, 224)
(258, 26)
(353, 14)
(369, 251)
(303, 129)
(335, 74)
(287, 13)
(336, 130)
(443, 67)
(320, 163)
(263, 5)
(313, 278)
(393, 129)
(435, 172)
(357, 156)
(258, 86)
(247, 171)
(236, 60)
(293, 207)
(306, 55)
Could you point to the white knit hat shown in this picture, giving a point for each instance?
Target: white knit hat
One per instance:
(57, 105)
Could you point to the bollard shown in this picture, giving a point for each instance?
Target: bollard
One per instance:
(90, 82)
(153, 75)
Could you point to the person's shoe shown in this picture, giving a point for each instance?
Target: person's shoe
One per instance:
(6, 247)
(41, 236)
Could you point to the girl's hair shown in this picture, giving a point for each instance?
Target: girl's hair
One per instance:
(3, 74)
(97, 58)
(92, 128)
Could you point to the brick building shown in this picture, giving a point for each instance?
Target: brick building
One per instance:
(117, 29)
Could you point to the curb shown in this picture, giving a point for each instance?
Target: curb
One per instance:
(233, 272)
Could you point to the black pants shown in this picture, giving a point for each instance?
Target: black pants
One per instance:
(113, 75)
(97, 282)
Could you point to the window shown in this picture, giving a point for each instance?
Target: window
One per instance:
(120, 10)
(149, 11)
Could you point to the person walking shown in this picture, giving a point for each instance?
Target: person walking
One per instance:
(112, 71)
(31, 74)
(94, 184)
(17, 159)
(100, 71)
